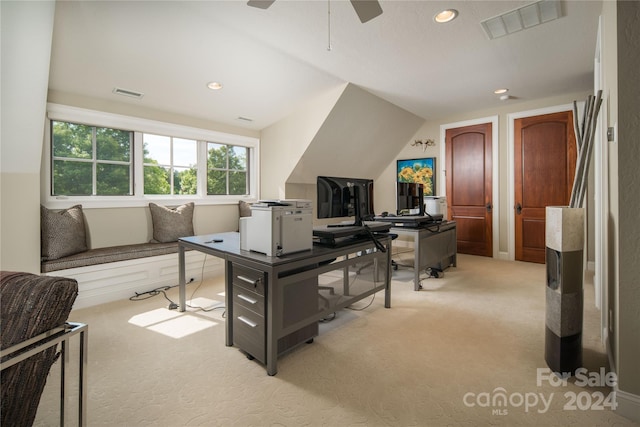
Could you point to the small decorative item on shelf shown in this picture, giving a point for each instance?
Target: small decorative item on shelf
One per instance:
(423, 143)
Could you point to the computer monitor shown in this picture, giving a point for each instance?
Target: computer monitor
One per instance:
(345, 197)
(409, 196)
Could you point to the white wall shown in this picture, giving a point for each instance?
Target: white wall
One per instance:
(626, 148)
(27, 29)
(283, 143)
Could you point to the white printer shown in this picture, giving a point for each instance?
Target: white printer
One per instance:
(278, 227)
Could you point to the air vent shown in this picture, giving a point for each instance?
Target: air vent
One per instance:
(127, 92)
(245, 119)
(522, 18)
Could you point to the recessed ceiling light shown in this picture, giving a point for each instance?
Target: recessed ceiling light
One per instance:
(501, 91)
(445, 16)
(214, 85)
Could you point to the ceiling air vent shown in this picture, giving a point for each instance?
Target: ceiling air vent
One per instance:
(127, 92)
(244, 119)
(522, 18)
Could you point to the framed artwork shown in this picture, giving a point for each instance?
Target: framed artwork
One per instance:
(421, 171)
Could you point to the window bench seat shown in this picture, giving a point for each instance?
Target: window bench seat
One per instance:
(117, 272)
(109, 254)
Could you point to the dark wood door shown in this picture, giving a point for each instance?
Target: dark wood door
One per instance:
(544, 167)
(469, 187)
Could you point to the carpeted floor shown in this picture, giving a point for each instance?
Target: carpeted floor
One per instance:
(466, 350)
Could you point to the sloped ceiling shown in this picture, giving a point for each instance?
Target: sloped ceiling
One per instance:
(357, 139)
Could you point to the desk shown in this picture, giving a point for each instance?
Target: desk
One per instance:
(434, 246)
(273, 302)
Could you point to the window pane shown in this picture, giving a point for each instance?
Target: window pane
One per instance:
(156, 180)
(238, 158)
(72, 178)
(157, 149)
(113, 180)
(216, 182)
(185, 152)
(71, 140)
(217, 156)
(185, 181)
(238, 183)
(113, 144)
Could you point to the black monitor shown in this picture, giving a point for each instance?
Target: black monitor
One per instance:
(345, 197)
(409, 195)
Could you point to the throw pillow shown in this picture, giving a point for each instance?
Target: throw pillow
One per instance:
(244, 209)
(171, 224)
(62, 233)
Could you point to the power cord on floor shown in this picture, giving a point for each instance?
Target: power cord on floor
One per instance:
(157, 291)
(208, 309)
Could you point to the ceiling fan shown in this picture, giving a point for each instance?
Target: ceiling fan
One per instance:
(366, 9)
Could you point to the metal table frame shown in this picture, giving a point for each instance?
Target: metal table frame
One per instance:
(315, 260)
(61, 334)
(421, 238)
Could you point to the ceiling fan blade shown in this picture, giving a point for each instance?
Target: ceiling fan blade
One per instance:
(261, 4)
(367, 9)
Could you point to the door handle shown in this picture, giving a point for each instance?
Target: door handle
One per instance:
(518, 208)
(489, 207)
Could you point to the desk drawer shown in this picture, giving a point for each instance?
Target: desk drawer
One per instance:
(248, 278)
(248, 299)
(249, 332)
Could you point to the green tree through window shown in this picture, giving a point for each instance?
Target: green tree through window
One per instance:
(227, 169)
(90, 160)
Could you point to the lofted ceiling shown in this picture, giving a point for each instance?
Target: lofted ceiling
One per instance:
(271, 62)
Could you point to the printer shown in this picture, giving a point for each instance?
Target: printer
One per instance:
(278, 227)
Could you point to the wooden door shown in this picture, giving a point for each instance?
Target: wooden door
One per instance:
(545, 160)
(469, 187)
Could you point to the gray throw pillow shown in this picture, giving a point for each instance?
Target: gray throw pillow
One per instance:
(62, 233)
(244, 209)
(171, 224)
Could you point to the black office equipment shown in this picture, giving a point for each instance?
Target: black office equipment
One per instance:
(345, 197)
(411, 221)
(409, 196)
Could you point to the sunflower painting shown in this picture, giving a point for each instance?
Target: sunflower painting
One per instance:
(421, 171)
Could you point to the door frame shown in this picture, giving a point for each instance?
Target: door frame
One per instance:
(495, 166)
(511, 118)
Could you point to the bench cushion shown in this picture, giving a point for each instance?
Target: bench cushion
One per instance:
(109, 254)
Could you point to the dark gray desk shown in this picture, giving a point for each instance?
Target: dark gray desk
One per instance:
(264, 295)
(434, 246)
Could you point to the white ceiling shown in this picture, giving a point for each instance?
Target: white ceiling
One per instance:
(273, 61)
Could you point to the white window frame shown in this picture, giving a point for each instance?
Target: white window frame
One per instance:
(58, 112)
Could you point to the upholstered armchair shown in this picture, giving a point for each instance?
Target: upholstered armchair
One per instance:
(30, 305)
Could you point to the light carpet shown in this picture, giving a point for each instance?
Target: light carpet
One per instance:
(442, 356)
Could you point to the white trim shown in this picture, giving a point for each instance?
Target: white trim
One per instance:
(495, 174)
(102, 283)
(628, 405)
(601, 196)
(511, 117)
(137, 125)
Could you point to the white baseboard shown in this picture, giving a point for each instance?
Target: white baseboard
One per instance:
(98, 284)
(628, 405)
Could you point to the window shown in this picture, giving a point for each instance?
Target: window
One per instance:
(170, 165)
(227, 169)
(90, 160)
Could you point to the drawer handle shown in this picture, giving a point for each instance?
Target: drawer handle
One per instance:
(247, 299)
(248, 280)
(247, 321)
